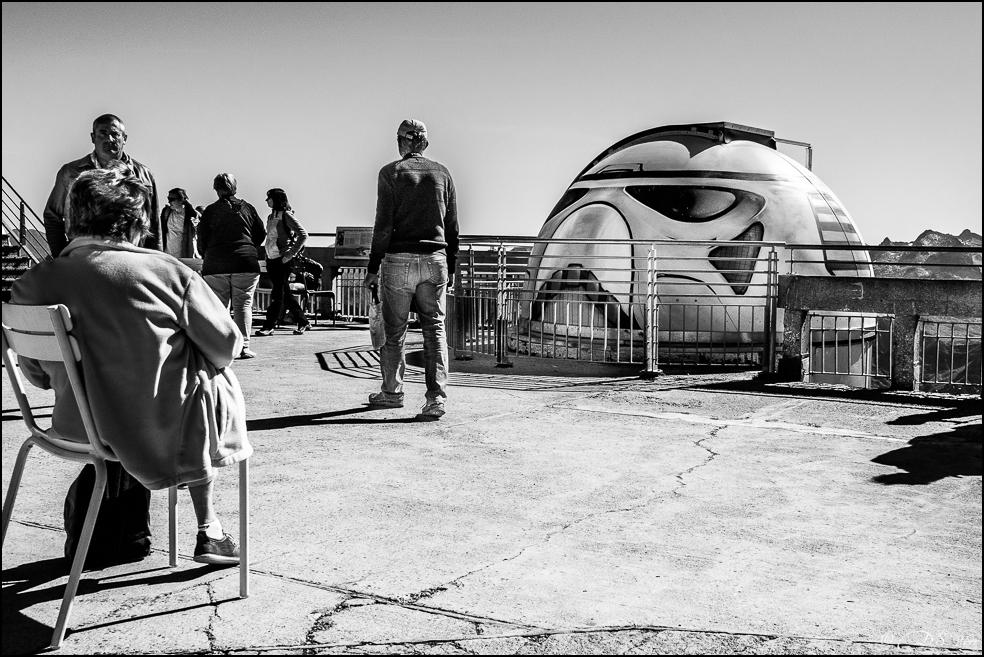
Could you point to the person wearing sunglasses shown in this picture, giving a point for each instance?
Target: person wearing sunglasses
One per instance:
(179, 225)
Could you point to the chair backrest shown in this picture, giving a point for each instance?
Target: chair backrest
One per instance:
(43, 333)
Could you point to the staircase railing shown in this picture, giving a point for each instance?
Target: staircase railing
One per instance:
(23, 225)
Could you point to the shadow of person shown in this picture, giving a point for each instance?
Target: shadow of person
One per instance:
(954, 453)
(966, 408)
(24, 587)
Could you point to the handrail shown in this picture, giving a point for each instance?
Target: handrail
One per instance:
(879, 248)
(23, 224)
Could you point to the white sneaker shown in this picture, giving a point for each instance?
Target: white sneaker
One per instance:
(434, 408)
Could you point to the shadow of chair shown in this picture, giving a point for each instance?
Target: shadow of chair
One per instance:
(44, 333)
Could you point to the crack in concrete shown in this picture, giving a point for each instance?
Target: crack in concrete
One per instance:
(132, 603)
(426, 593)
(754, 423)
(321, 623)
(713, 434)
(549, 535)
(396, 602)
(536, 638)
(210, 627)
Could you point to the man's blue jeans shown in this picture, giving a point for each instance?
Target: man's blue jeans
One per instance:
(424, 278)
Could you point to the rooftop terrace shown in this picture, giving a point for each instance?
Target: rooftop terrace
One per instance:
(545, 513)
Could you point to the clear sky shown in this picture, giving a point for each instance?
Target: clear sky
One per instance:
(517, 98)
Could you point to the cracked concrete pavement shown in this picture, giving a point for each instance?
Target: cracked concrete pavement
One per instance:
(544, 514)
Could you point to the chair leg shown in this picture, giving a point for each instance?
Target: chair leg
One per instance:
(172, 524)
(244, 528)
(80, 553)
(15, 479)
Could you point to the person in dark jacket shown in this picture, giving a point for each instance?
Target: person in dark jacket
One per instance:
(228, 235)
(285, 237)
(179, 225)
(414, 249)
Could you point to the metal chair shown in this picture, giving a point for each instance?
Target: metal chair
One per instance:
(44, 333)
(317, 298)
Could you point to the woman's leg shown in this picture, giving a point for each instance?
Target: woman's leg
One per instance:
(278, 279)
(243, 286)
(215, 547)
(201, 499)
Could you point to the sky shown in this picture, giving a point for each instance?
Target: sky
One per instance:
(517, 98)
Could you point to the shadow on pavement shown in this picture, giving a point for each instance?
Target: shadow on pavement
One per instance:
(10, 414)
(318, 419)
(954, 453)
(962, 405)
(24, 635)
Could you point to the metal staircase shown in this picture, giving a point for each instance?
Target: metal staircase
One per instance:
(22, 241)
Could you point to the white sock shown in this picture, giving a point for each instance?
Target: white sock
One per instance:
(212, 529)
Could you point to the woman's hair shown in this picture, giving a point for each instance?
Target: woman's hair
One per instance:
(180, 193)
(225, 184)
(279, 198)
(111, 202)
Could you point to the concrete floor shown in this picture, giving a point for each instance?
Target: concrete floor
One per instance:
(544, 514)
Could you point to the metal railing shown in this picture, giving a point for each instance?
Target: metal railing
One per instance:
(618, 301)
(647, 303)
(853, 349)
(903, 261)
(23, 225)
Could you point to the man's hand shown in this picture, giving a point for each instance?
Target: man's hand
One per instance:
(371, 283)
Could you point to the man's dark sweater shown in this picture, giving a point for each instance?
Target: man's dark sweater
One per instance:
(416, 211)
(228, 234)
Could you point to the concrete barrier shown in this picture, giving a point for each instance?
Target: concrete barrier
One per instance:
(906, 299)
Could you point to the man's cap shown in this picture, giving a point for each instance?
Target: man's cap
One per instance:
(412, 129)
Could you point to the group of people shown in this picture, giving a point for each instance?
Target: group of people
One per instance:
(157, 338)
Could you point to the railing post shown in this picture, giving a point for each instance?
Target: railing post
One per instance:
(23, 224)
(652, 318)
(771, 313)
(501, 321)
(456, 314)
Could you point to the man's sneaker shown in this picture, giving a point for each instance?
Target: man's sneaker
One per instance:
(303, 327)
(246, 353)
(264, 332)
(222, 552)
(433, 408)
(386, 399)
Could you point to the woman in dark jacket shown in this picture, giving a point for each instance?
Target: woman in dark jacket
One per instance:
(228, 235)
(285, 238)
(179, 225)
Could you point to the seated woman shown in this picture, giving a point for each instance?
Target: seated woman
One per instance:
(156, 345)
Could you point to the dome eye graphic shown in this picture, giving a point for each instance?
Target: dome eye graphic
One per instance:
(570, 197)
(687, 204)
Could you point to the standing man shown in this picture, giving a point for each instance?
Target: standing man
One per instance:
(414, 250)
(108, 138)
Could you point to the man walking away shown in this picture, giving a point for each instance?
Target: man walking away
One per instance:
(414, 250)
(108, 139)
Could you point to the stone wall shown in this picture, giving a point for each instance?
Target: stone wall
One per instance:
(907, 299)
